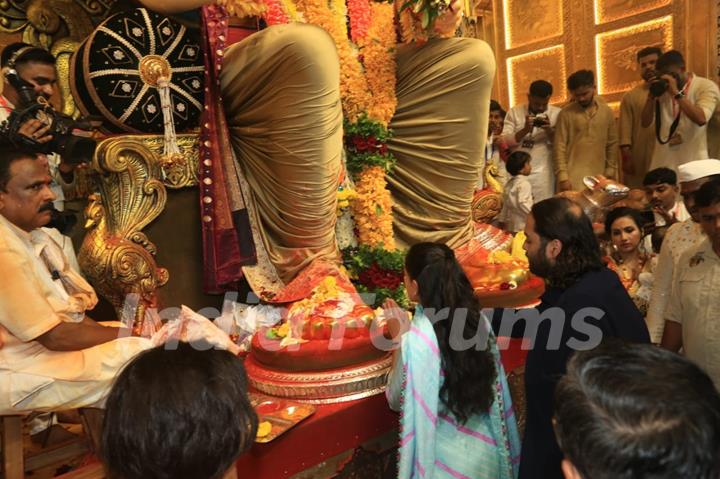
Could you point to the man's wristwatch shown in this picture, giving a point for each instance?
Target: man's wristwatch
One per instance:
(679, 95)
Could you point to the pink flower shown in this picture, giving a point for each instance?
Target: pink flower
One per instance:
(359, 13)
(274, 13)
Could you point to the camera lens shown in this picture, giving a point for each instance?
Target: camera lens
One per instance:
(658, 87)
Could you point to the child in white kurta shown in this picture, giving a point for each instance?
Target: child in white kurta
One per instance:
(517, 197)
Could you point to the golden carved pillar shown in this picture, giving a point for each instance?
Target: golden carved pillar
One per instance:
(117, 256)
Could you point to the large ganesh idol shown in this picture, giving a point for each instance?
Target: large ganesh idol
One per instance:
(323, 99)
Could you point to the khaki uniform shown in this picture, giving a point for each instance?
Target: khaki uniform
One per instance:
(678, 239)
(695, 304)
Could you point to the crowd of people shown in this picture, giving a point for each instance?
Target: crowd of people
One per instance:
(661, 140)
(601, 400)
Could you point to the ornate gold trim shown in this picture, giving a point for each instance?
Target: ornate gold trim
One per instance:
(322, 387)
(154, 67)
(487, 202)
(117, 257)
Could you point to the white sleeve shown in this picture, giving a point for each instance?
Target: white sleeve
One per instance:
(510, 126)
(662, 286)
(525, 197)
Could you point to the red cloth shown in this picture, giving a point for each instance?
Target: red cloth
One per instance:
(333, 429)
(512, 355)
(227, 239)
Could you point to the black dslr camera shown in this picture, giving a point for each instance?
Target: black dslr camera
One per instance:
(71, 139)
(658, 87)
(538, 121)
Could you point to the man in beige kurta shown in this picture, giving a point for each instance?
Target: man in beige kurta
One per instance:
(586, 140)
(637, 143)
(52, 357)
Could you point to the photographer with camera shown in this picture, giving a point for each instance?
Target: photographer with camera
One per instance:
(29, 121)
(531, 127)
(681, 104)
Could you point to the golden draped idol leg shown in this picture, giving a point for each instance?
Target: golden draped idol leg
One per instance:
(440, 126)
(280, 89)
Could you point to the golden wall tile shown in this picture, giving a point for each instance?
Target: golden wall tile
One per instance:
(546, 64)
(616, 51)
(530, 21)
(610, 10)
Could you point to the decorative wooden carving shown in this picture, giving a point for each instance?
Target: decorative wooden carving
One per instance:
(117, 257)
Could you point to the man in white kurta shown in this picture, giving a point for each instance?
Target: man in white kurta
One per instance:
(685, 109)
(679, 238)
(52, 357)
(530, 127)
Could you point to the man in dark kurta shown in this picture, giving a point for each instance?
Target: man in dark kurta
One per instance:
(584, 303)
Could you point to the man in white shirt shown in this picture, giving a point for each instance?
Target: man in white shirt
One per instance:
(692, 314)
(661, 191)
(35, 66)
(53, 357)
(531, 127)
(678, 239)
(683, 103)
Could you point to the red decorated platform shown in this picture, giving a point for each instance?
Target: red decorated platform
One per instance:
(338, 436)
(352, 439)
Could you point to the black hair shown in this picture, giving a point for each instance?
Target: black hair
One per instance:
(624, 212)
(672, 58)
(468, 386)
(176, 413)
(516, 162)
(637, 411)
(561, 219)
(657, 237)
(541, 89)
(495, 106)
(708, 194)
(580, 78)
(659, 176)
(31, 54)
(8, 155)
(648, 51)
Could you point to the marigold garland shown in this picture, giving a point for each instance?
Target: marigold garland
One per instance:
(367, 90)
(354, 91)
(378, 51)
(372, 209)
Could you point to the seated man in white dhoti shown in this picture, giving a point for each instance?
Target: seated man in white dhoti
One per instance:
(52, 356)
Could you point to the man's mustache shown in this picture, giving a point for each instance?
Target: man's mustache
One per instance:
(46, 207)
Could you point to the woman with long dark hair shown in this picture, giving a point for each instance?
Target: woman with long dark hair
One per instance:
(447, 380)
